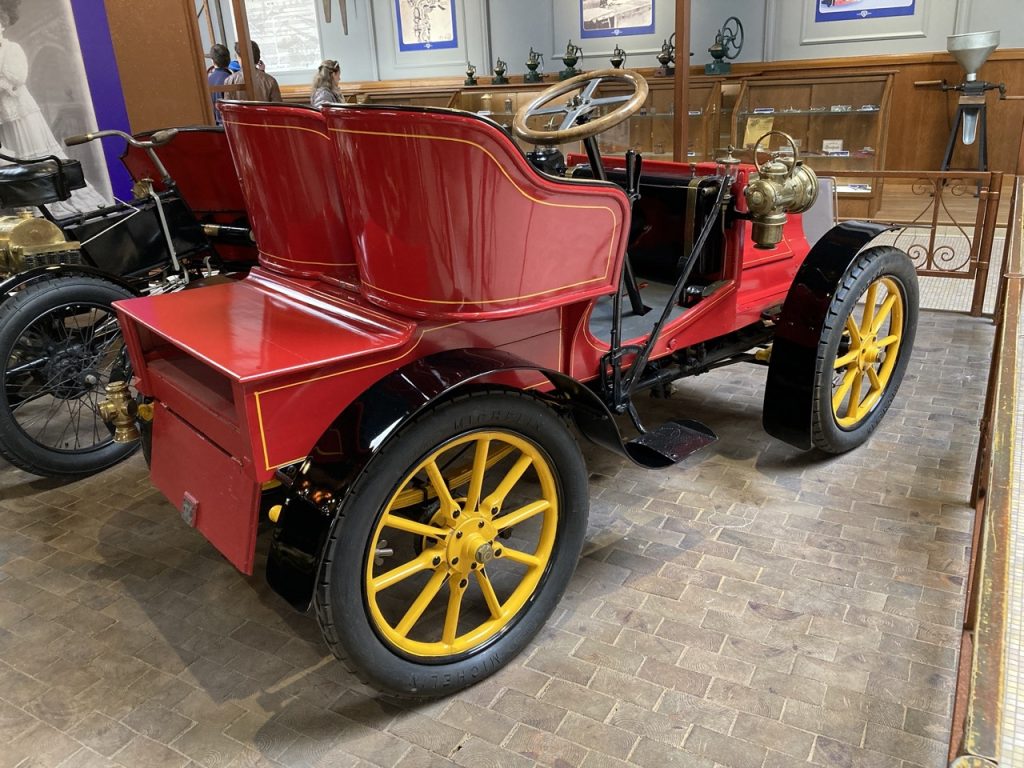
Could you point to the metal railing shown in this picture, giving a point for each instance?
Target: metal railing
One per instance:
(944, 241)
(975, 740)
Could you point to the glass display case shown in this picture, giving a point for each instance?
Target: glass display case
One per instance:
(650, 130)
(838, 124)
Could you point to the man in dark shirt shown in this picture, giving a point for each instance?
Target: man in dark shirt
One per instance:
(219, 73)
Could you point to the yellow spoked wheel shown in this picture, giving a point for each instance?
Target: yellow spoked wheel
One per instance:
(864, 348)
(454, 544)
(868, 353)
(460, 579)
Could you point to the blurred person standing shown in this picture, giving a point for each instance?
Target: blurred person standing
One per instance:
(326, 84)
(219, 73)
(265, 87)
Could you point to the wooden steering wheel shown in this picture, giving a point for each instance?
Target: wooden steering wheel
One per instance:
(582, 104)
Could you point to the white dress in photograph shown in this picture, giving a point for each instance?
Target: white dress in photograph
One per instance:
(24, 132)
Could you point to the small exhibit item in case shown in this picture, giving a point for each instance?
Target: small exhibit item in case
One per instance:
(869, 108)
(842, 107)
(764, 110)
(756, 128)
(831, 146)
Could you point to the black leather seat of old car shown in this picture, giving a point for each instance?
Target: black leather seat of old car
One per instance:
(38, 181)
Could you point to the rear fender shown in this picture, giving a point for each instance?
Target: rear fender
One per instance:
(357, 435)
(17, 281)
(789, 391)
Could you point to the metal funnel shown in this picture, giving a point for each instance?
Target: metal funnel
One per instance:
(972, 50)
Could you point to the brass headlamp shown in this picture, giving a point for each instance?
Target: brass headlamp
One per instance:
(783, 185)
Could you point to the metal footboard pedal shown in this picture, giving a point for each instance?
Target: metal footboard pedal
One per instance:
(670, 443)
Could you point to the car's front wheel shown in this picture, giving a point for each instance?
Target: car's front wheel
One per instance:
(864, 348)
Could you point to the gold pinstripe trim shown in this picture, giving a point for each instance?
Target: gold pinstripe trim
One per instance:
(258, 393)
(303, 261)
(321, 134)
(611, 243)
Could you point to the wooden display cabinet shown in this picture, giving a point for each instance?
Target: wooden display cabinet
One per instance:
(838, 123)
(419, 97)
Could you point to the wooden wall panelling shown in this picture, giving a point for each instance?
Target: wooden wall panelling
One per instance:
(160, 61)
(920, 119)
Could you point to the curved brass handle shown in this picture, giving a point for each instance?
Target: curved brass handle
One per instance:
(586, 82)
(788, 138)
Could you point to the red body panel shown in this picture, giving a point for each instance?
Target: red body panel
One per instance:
(451, 222)
(226, 498)
(460, 244)
(287, 167)
(199, 161)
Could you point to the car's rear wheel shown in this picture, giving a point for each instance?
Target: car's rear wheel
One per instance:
(454, 544)
(865, 344)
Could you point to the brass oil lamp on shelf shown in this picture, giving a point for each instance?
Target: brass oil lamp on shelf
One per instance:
(618, 57)
(572, 55)
(500, 68)
(533, 61)
(666, 56)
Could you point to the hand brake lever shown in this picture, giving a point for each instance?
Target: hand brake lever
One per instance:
(634, 162)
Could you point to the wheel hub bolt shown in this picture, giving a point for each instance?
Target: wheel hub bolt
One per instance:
(463, 583)
(485, 554)
(437, 561)
(455, 561)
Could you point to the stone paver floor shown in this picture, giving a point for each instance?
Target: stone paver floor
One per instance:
(753, 607)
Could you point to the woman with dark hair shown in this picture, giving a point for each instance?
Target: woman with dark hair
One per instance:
(24, 132)
(325, 84)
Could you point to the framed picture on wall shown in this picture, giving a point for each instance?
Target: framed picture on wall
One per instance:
(612, 18)
(840, 10)
(424, 25)
(833, 21)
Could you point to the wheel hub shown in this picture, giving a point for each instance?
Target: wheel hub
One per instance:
(471, 545)
(69, 371)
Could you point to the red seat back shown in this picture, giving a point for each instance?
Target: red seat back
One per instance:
(199, 161)
(450, 221)
(287, 168)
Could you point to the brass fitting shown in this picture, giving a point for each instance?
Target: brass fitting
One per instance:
(26, 240)
(119, 410)
(784, 185)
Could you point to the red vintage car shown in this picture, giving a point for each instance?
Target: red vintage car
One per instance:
(437, 316)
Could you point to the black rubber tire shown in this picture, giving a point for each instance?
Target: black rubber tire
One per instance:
(340, 599)
(870, 265)
(18, 313)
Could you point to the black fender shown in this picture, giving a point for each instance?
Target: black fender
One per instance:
(789, 391)
(56, 271)
(312, 497)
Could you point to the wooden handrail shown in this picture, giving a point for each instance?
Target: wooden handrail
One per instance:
(975, 740)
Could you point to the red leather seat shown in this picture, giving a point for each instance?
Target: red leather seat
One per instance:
(286, 164)
(450, 221)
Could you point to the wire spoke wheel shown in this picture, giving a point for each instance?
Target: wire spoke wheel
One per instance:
(455, 544)
(60, 345)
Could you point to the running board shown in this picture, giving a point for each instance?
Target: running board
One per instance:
(669, 443)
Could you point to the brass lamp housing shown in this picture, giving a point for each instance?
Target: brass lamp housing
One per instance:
(24, 235)
(783, 185)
